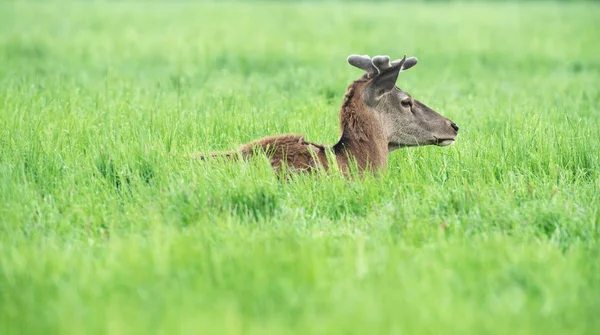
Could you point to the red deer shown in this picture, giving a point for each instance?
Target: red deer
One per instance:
(376, 117)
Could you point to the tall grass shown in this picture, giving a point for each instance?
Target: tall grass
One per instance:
(106, 228)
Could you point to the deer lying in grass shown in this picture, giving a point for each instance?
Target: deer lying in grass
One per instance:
(376, 118)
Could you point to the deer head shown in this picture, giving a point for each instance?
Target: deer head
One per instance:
(405, 121)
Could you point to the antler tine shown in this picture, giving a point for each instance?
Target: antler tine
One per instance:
(399, 62)
(409, 62)
(382, 63)
(364, 63)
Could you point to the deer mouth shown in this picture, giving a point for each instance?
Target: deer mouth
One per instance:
(443, 142)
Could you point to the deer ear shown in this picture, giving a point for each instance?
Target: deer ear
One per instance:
(385, 81)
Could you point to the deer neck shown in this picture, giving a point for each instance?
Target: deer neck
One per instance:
(363, 137)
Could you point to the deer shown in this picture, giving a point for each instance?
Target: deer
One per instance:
(376, 118)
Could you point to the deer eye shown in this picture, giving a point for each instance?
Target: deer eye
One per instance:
(406, 103)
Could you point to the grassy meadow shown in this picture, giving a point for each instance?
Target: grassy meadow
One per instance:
(105, 226)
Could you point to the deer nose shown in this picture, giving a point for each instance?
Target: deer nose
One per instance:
(454, 126)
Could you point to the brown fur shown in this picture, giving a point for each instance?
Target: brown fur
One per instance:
(363, 138)
(291, 150)
(362, 141)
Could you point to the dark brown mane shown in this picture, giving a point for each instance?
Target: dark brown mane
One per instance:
(352, 89)
(350, 107)
(362, 138)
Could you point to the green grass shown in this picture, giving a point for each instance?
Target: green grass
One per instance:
(104, 228)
